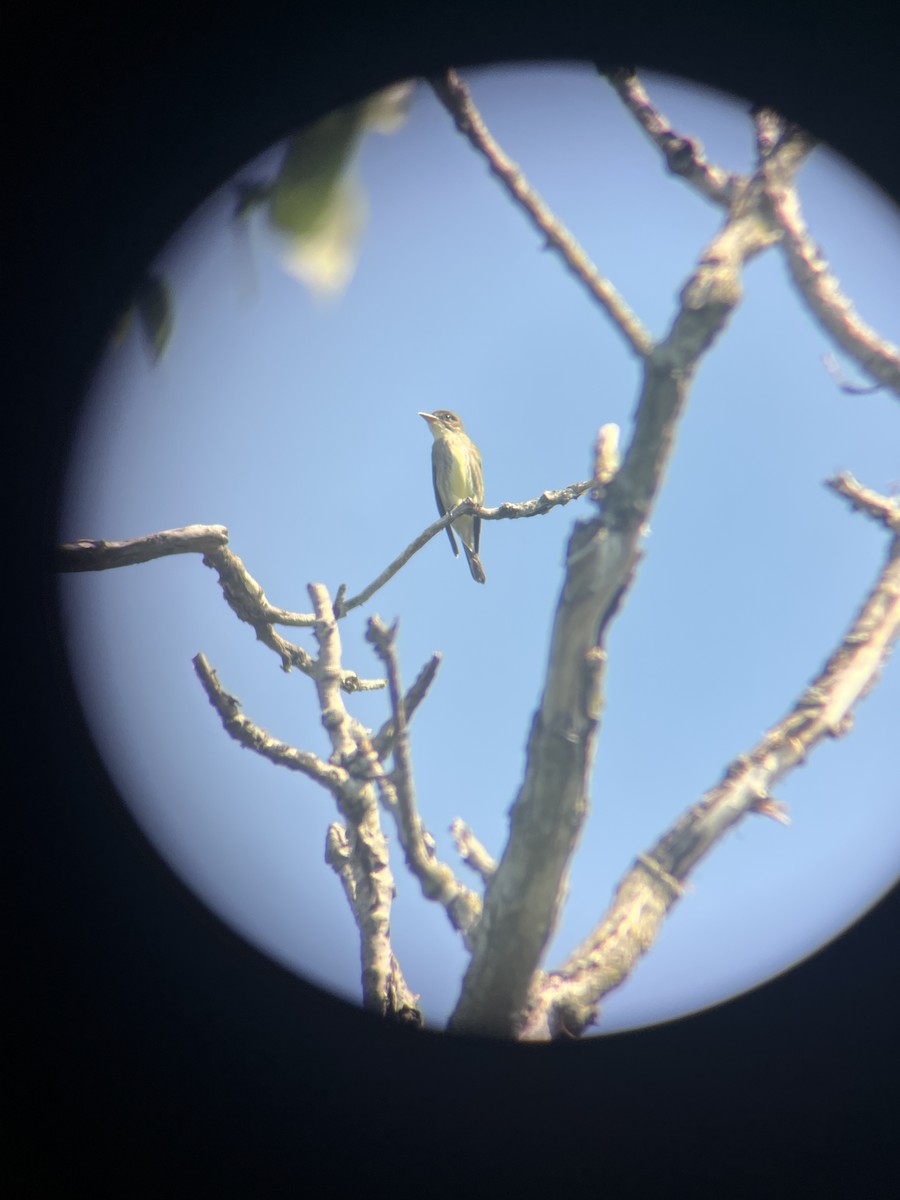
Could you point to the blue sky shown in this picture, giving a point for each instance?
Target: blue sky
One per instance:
(292, 420)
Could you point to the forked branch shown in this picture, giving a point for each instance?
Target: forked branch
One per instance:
(564, 1002)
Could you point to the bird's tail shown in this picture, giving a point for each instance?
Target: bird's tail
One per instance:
(475, 565)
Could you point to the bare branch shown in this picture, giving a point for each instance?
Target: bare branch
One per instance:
(505, 512)
(366, 845)
(359, 853)
(341, 728)
(402, 1002)
(342, 606)
(683, 156)
(780, 142)
(436, 879)
(472, 852)
(850, 389)
(880, 508)
(606, 460)
(383, 741)
(246, 599)
(456, 99)
(242, 593)
(565, 1002)
(820, 290)
(252, 737)
(104, 556)
(525, 894)
(527, 508)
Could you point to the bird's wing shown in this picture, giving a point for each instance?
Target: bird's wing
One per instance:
(477, 495)
(441, 509)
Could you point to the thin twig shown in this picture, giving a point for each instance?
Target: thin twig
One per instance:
(247, 600)
(383, 740)
(531, 508)
(463, 907)
(504, 512)
(454, 95)
(849, 389)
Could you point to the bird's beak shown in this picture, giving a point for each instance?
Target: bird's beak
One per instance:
(433, 422)
(428, 416)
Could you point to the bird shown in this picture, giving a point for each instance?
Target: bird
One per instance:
(457, 476)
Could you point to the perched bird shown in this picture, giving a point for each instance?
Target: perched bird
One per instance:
(456, 474)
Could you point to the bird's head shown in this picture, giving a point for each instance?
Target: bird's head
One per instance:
(442, 419)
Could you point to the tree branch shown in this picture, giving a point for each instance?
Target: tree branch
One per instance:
(880, 508)
(472, 852)
(242, 593)
(358, 854)
(524, 896)
(104, 556)
(402, 1003)
(253, 737)
(246, 599)
(455, 97)
(820, 290)
(436, 879)
(683, 156)
(504, 512)
(565, 1002)
(366, 846)
(383, 741)
(850, 389)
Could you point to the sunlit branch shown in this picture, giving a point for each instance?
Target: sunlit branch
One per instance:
(357, 853)
(471, 851)
(820, 290)
(247, 600)
(862, 499)
(565, 1001)
(523, 901)
(436, 879)
(683, 156)
(383, 740)
(242, 593)
(402, 1002)
(455, 97)
(366, 846)
(104, 556)
(504, 512)
(252, 737)
(850, 389)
